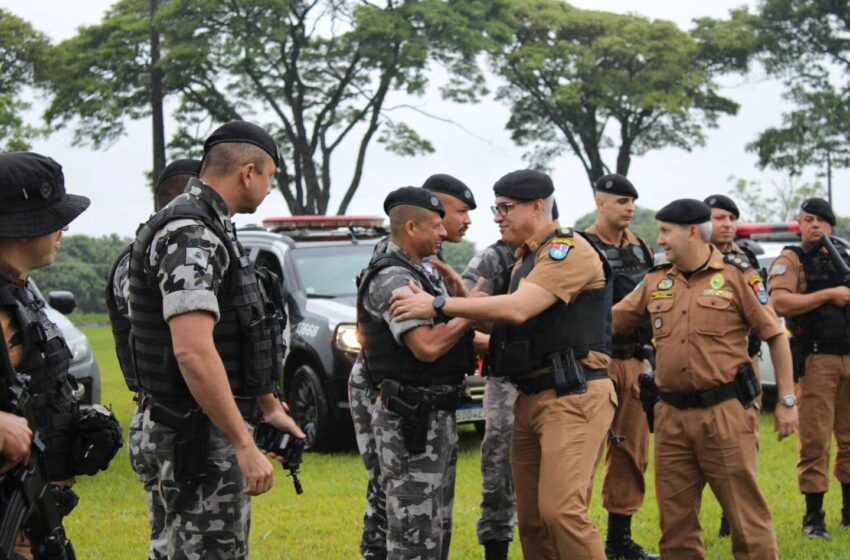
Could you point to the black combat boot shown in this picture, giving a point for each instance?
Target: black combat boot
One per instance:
(496, 550)
(814, 523)
(845, 507)
(724, 527)
(619, 544)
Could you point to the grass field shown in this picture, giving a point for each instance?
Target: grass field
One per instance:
(324, 523)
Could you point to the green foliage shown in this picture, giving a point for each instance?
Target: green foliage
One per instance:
(586, 81)
(780, 204)
(319, 73)
(458, 255)
(81, 267)
(22, 55)
(643, 224)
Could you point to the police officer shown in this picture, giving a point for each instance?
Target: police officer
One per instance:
(810, 293)
(35, 211)
(553, 340)
(419, 367)
(205, 349)
(702, 305)
(724, 228)
(628, 450)
(170, 183)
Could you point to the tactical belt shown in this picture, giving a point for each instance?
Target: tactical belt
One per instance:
(701, 399)
(628, 351)
(441, 399)
(837, 347)
(547, 381)
(248, 407)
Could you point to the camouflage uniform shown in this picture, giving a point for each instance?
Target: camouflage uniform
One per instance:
(498, 502)
(210, 520)
(419, 488)
(146, 475)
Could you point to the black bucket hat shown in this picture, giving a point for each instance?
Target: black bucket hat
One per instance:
(33, 201)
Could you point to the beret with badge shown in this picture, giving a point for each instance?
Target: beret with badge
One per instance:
(819, 207)
(685, 211)
(414, 196)
(242, 132)
(443, 183)
(524, 184)
(616, 184)
(723, 202)
(33, 201)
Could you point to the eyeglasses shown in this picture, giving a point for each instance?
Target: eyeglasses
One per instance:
(503, 208)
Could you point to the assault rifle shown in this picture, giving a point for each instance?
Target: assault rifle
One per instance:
(843, 270)
(26, 494)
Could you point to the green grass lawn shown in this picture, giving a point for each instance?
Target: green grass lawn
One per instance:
(324, 522)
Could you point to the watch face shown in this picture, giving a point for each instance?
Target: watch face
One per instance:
(789, 400)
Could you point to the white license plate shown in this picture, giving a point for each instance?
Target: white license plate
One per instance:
(474, 413)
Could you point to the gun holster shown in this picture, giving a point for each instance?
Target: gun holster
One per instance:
(747, 385)
(191, 440)
(798, 359)
(415, 416)
(568, 374)
(648, 397)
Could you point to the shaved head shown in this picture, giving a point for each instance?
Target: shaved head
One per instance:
(224, 159)
(401, 214)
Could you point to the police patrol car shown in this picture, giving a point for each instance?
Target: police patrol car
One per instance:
(319, 258)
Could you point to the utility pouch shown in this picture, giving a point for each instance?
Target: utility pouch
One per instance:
(568, 374)
(98, 439)
(191, 441)
(747, 385)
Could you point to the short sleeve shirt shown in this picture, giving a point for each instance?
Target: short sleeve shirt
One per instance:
(700, 324)
(786, 273)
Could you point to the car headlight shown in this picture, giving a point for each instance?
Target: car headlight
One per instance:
(346, 338)
(79, 348)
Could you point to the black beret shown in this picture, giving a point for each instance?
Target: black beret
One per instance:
(616, 184)
(178, 167)
(819, 207)
(414, 196)
(33, 201)
(685, 211)
(524, 184)
(723, 202)
(443, 183)
(241, 132)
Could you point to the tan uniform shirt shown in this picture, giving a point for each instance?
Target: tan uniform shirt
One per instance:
(786, 273)
(581, 270)
(700, 325)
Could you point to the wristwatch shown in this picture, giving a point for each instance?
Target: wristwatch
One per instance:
(439, 302)
(789, 401)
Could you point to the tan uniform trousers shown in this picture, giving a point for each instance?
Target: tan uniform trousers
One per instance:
(623, 489)
(718, 445)
(557, 445)
(824, 409)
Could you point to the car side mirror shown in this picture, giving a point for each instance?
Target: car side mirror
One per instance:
(62, 301)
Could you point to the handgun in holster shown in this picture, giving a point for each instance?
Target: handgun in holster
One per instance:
(648, 397)
(798, 358)
(568, 374)
(415, 417)
(191, 440)
(747, 385)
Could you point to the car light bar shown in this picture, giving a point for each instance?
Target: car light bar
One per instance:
(323, 222)
(747, 230)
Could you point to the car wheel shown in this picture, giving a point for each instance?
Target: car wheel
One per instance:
(308, 406)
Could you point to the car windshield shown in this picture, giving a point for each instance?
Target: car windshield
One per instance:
(330, 272)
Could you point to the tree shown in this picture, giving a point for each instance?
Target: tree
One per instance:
(320, 70)
(643, 225)
(458, 255)
(780, 205)
(588, 81)
(22, 52)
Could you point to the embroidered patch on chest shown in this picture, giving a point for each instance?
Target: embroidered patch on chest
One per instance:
(717, 281)
(661, 294)
(719, 293)
(665, 284)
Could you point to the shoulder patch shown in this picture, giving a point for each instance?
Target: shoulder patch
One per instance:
(560, 248)
(737, 261)
(757, 284)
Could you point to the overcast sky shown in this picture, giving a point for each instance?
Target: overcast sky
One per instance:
(477, 149)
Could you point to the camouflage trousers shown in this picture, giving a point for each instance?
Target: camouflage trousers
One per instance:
(149, 477)
(498, 502)
(419, 488)
(361, 398)
(209, 520)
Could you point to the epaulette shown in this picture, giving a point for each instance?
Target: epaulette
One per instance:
(737, 261)
(661, 266)
(565, 232)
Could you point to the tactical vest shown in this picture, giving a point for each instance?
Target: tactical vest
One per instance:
(582, 326)
(46, 359)
(246, 336)
(507, 260)
(827, 322)
(630, 265)
(385, 358)
(119, 320)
